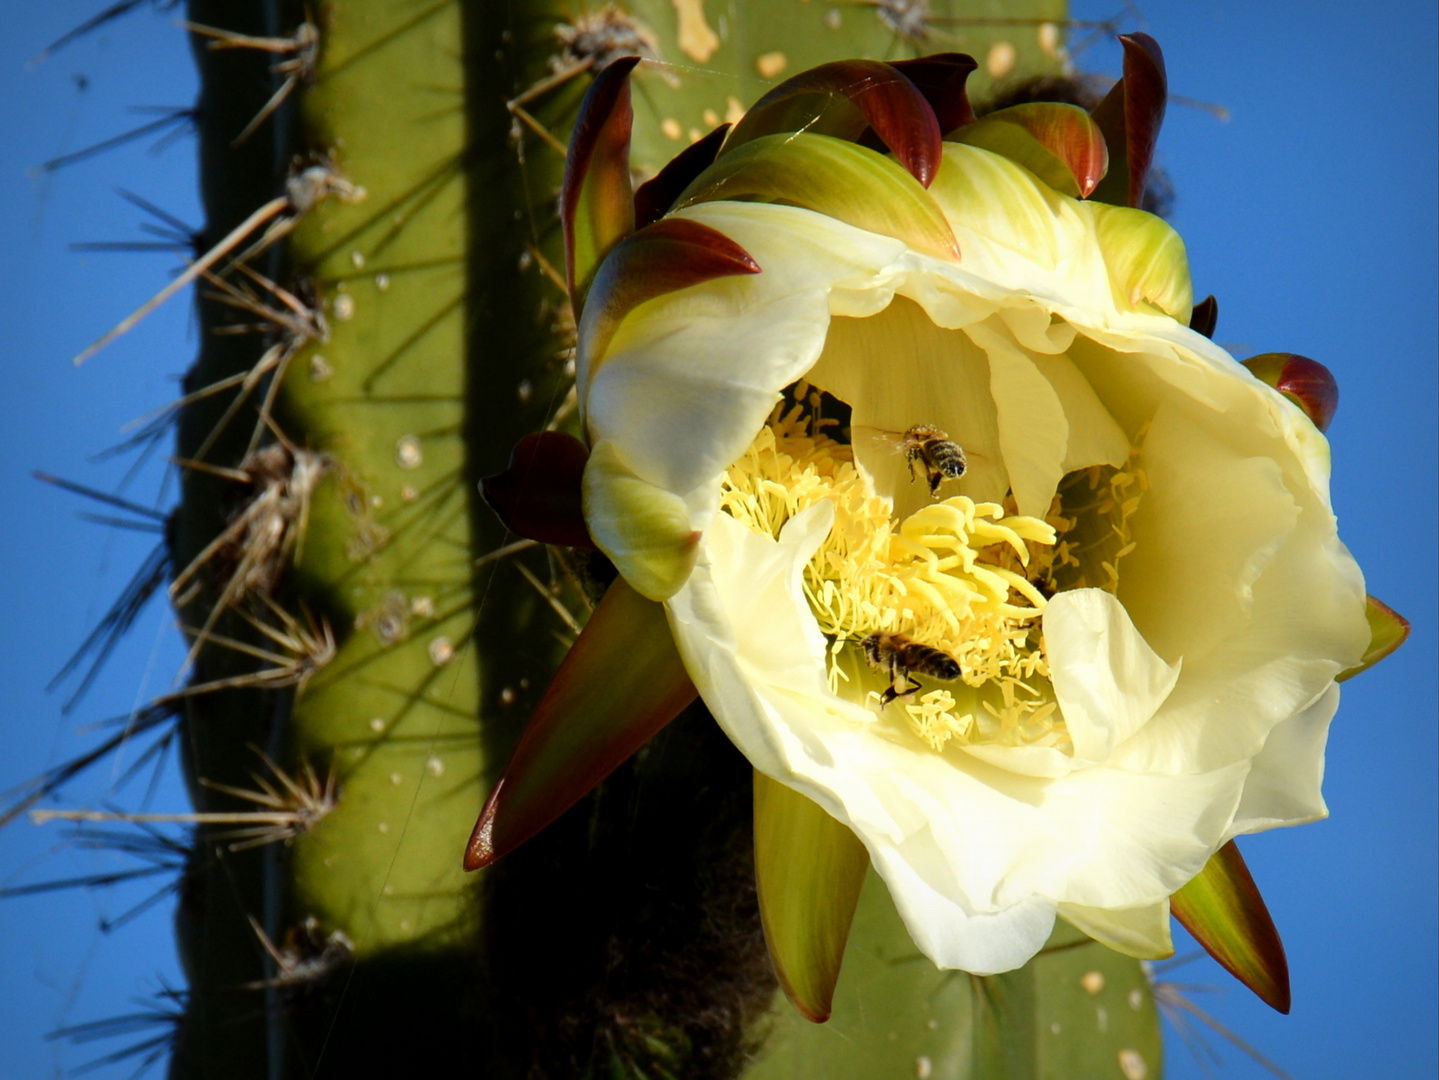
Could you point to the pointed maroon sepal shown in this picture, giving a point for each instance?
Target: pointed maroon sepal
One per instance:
(1224, 912)
(538, 495)
(621, 682)
(1307, 383)
(596, 198)
(656, 195)
(671, 254)
(1130, 117)
(1061, 144)
(1205, 317)
(843, 99)
(941, 78)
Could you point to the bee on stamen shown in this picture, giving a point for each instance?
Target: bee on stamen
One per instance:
(899, 655)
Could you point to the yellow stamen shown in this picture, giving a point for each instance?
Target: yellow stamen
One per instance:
(965, 578)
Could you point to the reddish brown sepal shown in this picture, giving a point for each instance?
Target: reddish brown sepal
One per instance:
(1307, 383)
(941, 79)
(671, 254)
(597, 170)
(1224, 912)
(621, 682)
(656, 195)
(843, 99)
(538, 495)
(1130, 117)
(1205, 317)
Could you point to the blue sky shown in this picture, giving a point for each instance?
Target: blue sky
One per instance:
(1311, 214)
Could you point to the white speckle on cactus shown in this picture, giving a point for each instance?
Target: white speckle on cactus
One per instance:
(1001, 59)
(408, 452)
(1132, 1064)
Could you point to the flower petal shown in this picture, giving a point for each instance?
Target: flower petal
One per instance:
(985, 193)
(839, 179)
(688, 381)
(644, 529)
(1283, 787)
(1108, 680)
(975, 856)
(1033, 430)
(1147, 260)
(808, 871)
(1138, 931)
(897, 369)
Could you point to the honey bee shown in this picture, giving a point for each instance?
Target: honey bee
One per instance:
(899, 656)
(926, 446)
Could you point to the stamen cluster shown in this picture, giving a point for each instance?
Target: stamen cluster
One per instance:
(952, 576)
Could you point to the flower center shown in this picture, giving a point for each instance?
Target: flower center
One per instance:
(952, 594)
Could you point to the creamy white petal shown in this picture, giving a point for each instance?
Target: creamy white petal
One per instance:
(1033, 430)
(1108, 680)
(689, 377)
(947, 832)
(899, 369)
(1283, 787)
(1211, 523)
(643, 528)
(1138, 931)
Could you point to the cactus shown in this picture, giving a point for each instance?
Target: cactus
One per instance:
(380, 181)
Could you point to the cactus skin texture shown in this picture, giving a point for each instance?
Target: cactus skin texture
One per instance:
(625, 940)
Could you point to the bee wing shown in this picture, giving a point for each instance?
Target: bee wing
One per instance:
(882, 437)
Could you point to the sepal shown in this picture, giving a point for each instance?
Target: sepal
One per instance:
(1205, 317)
(1130, 117)
(1224, 912)
(1307, 383)
(832, 177)
(597, 207)
(656, 195)
(809, 869)
(1060, 144)
(620, 683)
(1387, 631)
(842, 99)
(941, 78)
(538, 495)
